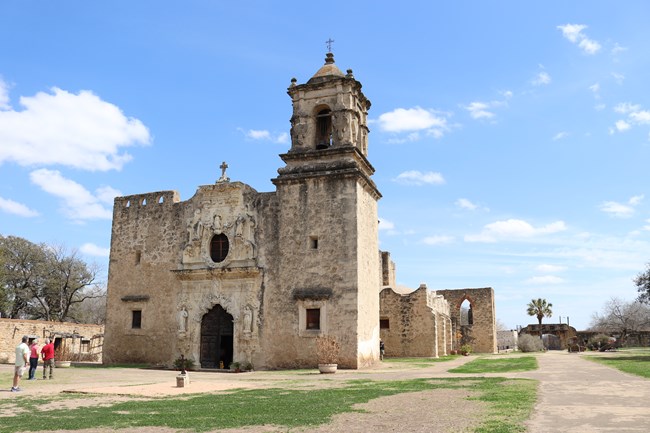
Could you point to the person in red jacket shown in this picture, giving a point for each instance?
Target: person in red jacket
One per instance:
(47, 352)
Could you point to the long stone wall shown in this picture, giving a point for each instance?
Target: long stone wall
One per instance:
(79, 338)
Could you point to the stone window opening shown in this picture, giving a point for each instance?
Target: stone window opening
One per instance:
(138, 257)
(312, 316)
(161, 199)
(144, 202)
(384, 324)
(136, 319)
(219, 248)
(313, 242)
(324, 129)
(466, 314)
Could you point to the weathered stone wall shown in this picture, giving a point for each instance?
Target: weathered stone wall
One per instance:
(146, 243)
(79, 338)
(387, 267)
(417, 323)
(483, 329)
(563, 331)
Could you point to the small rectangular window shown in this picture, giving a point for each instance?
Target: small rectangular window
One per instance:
(136, 319)
(384, 324)
(313, 318)
(313, 243)
(138, 257)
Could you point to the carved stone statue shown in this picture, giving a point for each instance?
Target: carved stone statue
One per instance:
(182, 320)
(248, 319)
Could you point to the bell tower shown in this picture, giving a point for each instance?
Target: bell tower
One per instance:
(329, 111)
(328, 268)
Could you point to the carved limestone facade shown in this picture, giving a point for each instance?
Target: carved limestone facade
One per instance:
(232, 274)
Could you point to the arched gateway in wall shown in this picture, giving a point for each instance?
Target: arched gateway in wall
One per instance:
(216, 338)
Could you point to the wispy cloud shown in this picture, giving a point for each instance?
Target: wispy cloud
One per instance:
(76, 130)
(463, 203)
(93, 250)
(545, 279)
(264, 135)
(636, 116)
(560, 135)
(541, 79)
(574, 33)
(15, 208)
(78, 204)
(415, 177)
(513, 229)
(384, 224)
(550, 268)
(438, 240)
(621, 210)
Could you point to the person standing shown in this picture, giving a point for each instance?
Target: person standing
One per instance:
(33, 359)
(22, 359)
(47, 352)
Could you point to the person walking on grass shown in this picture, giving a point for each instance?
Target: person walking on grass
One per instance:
(22, 359)
(47, 352)
(33, 359)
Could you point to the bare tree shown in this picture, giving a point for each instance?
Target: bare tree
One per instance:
(622, 318)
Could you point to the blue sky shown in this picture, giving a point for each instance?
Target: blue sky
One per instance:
(511, 139)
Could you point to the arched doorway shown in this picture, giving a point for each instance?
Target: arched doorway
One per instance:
(216, 338)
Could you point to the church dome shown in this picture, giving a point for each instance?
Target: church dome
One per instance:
(327, 71)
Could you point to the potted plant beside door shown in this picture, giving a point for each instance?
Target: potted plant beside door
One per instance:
(327, 352)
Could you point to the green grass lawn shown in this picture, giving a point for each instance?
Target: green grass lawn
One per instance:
(509, 403)
(498, 365)
(630, 361)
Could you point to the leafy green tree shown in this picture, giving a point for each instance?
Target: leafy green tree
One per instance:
(539, 308)
(642, 282)
(43, 282)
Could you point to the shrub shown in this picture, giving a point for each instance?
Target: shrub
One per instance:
(327, 350)
(182, 363)
(598, 341)
(465, 349)
(530, 343)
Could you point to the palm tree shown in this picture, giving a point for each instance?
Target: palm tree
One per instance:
(540, 308)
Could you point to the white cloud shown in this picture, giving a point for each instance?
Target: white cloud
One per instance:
(626, 108)
(93, 250)
(76, 130)
(107, 194)
(414, 119)
(437, 240)
(15, 208)
(550, 268)
(384, 224)
(541, 79)
(514, 229)
(463, 203)
(414, 177)
(595, 88)
(621, 210)
(560, 135)
(546, 279)
(479, 110)
(573, 32)
(264, 135)
(78, 203)
(4, 95)
(641, 117)
(622, 125)
(258, 135)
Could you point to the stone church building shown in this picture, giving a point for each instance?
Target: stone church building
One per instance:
(233, 274)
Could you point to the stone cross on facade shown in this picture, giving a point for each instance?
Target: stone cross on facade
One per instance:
(329, 44)
(224, 177)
